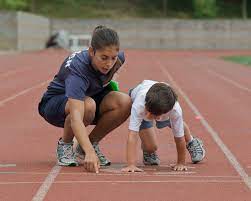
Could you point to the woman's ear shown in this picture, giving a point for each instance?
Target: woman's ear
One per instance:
(91, 51)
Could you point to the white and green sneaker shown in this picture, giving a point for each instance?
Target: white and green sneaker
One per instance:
(79, 152)
(65, 154)
(150, 158)
(196, 150)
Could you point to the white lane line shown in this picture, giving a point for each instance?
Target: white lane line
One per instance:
(167, 174)
(44, 188)
(8, 52)
(5, 74)
(2, 102)
(7, 172)
(174, 173)
(171, 165)
(232, 159)
(7, 165)
(131, 181)
(236, 84)
(145, 173)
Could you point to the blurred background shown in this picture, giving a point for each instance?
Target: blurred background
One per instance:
(158, 24)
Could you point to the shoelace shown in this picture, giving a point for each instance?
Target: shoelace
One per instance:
(151, 155)
(154, 156)
(67, 151)
(96, 148)
(195, 148)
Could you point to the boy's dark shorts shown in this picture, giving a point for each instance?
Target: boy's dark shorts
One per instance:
(159, 124)
(52, 109)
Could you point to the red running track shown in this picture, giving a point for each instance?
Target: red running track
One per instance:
(217, 91)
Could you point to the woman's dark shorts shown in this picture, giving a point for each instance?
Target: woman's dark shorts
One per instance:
(52, 108)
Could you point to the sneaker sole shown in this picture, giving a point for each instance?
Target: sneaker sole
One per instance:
(67, 164)
(106, 164)
(151, 164)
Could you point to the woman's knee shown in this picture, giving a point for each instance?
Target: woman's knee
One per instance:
(117, 101)
(123, 101)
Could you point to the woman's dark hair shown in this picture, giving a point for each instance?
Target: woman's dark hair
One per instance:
(103, 37)
(160, 99)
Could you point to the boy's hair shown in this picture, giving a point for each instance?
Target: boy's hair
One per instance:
(160, 99)
(103, 37)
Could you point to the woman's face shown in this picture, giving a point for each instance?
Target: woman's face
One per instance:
(104, 59)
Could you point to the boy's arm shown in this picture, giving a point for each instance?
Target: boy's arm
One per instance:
(178, 131)
(131, 153)
(76, 108)
(181, 154)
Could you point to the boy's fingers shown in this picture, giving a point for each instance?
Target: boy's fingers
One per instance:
(125, 170)
(128, 169)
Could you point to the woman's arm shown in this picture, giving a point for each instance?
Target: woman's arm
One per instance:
(76, 108)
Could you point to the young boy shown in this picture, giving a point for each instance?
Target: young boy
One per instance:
(157, 101)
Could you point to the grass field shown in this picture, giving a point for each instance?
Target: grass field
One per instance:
(246, 60)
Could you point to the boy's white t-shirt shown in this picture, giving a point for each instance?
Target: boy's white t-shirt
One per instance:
(138, 95)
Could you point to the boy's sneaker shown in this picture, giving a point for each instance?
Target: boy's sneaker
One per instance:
(102, 159)
(65, 154)
(196, 150)
(150, 158)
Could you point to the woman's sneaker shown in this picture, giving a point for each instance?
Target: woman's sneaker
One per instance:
(65, 154)
(196, 150)
(79, 153)
(102, 159)
(150, 158)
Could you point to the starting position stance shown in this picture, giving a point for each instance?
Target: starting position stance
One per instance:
(157, 101)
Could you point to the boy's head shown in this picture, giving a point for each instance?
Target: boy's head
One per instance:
(160, 99)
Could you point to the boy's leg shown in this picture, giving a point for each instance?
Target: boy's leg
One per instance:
(114, 110)
(187, 133)
(149, 143)
(148, 140)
